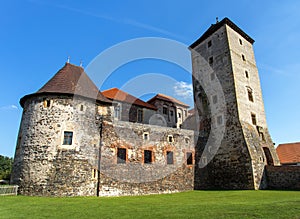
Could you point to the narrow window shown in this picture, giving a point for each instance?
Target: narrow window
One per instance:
(170, 138)
(250, 94)
(170, 157)
(68, 136)
(171, 113)
(179, 115)
(81, 107)
(253, 118)
(147, 156)
(121, 155)
(165, 110)
(241, 42)
(47, 103)
(246, 74)
(189, 158)
(209, 44)
(140, 115)
(94, 173)
(243, 57)
(211, 60)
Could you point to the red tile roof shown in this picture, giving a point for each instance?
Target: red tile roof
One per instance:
(71, 79)
(167, 98)
(119, 95)
(289, 153)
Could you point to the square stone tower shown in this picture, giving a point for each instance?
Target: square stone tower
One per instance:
(233, 142)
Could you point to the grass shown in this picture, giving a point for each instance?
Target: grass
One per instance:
(193, 204)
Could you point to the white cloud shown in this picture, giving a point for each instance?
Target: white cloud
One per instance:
(9, 107)
(183, 89)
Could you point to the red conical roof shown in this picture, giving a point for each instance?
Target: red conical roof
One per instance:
(72, 80)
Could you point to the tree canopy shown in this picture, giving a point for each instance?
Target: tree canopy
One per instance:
(5, 167)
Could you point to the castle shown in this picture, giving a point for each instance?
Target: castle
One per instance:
(77, 141)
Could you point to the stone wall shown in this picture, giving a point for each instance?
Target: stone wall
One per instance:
(134, 177)
(283, 177)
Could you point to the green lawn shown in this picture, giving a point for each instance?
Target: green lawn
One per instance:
(193, 204)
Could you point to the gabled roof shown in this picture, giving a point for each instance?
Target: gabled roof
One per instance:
(71, 80)
(119, 95)
(289, 153)
(168, 99)
(214, 27)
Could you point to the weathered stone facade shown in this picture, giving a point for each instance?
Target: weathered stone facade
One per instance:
(134, 176)
(45, 166)
(228, 98)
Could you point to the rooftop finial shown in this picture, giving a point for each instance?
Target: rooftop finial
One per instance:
(81, 63)
(217, 20)
(68, 60)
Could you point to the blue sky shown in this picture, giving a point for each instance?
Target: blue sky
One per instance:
(37, 36)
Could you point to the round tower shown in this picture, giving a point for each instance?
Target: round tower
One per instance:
(59, 136)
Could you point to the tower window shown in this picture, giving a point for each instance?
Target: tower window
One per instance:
(147, 156)
(211, 60)
(121, 155)
(209, 44)
(171, 113)
(241, 42)
(253, 118)
(81, 107)
(243, 57)
(246, 74)
(189, 158)
(68, 136)
(170, 159)
(250, 94)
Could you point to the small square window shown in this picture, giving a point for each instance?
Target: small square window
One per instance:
(189, 158)
(47, 103)
(209, 44)
(68, 136)
(170, 159)
(170, 138)
(165, 110)
(253, 118)
(147, 156)
(211, 60)
(146, 136)
(121, 155)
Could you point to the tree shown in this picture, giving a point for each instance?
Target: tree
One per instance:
(5, 167)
